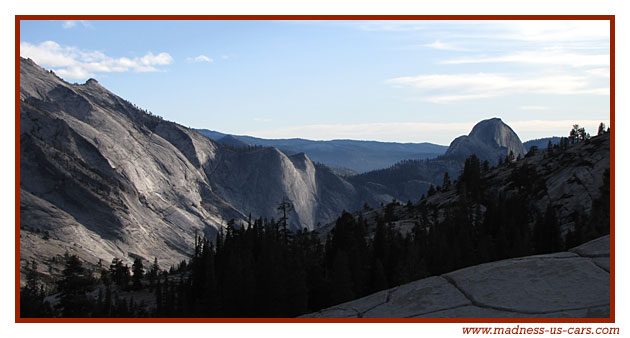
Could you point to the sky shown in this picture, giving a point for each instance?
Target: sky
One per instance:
(401, 81)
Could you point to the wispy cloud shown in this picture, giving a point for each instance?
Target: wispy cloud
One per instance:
(200, 58)
(540, 32)
(535, 108)
(554, 30)
(440, 88)
(439, 45)
(73, 23)
(601, 72)
(541, 57)
(74, 63)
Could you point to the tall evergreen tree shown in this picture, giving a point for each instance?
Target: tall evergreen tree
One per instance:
(119, 273)
(138, 273)
(446, 181)
(32, 304)
(76, 281)
(547, 237)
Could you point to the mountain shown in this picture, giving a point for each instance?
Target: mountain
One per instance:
(232, 141)
(257, 179)
(489, 140)
(104, 179)
(542, 143)
(569, 177)
(410, 179)
(358, 156)
(101, 178)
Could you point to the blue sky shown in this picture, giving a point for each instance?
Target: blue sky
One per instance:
(406, 81)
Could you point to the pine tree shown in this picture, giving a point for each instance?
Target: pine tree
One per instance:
(574, 133)
(285, 207)
(510, 157)
(600, 210)
(73, 288)
(138, 273)
(446, 181)
(547, 237)
(342, 279)
(32, 295)
(119, 273)
(153, 272)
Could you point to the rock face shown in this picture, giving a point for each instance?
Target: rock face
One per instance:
(257, 179)
(574, 284)
(101, 178)
(489, 140)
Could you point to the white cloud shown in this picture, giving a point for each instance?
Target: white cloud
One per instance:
(439, 88)
(534, 108)
(439, 45)
(539, 32)
(69, 24)
(74, 72)
(541, 57)
(200, 58)
(602, 72)
(160, 59)
(555, 30)
(225, 57)
(73, 63)
(73, 23)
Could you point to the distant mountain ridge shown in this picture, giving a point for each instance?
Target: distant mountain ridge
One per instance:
(358, 156)
(541, 143)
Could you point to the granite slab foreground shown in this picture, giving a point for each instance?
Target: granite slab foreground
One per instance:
(572, 284)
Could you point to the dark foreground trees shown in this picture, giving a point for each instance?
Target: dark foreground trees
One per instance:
(73, 288)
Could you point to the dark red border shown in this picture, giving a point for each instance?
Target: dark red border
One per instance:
(611, 18)
(612, 168)
(17, 169)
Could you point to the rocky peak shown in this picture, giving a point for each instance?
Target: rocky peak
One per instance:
(489, 140)
(496, 133)
(91, 81)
